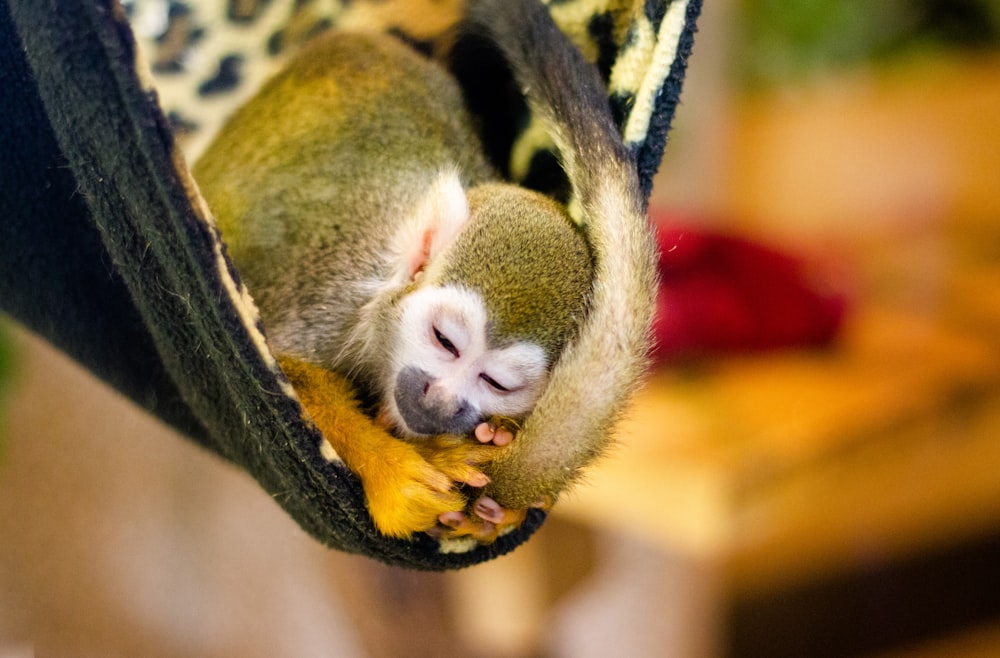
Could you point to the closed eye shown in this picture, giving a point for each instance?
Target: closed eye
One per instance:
(493, 383)
(445, 343)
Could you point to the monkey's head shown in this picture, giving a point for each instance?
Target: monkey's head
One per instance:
(488, 313)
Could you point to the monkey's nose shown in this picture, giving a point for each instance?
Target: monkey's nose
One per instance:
(427, 408)
(454, 414)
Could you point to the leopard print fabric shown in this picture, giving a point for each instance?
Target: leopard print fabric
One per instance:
(209, 56)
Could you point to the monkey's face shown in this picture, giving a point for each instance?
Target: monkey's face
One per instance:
(449, 373)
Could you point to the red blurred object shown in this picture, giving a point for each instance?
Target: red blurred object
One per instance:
(723, 294)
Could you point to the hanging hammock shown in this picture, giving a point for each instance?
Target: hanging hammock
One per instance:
(106, 252)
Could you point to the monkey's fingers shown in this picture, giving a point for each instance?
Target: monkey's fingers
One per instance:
(410, 498)
(456, 525)
(407, 494)
(487, 522)
(490, 510)
(498, 430)
(458, 458)
(492, 433)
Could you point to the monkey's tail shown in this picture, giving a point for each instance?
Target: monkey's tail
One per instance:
(561, 87)
(599, 371)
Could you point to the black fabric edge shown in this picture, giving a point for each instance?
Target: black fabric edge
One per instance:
(650, 153)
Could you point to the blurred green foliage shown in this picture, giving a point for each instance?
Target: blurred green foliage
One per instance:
(785, 40)
(6, 366)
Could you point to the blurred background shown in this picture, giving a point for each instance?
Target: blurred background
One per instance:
(811, 471)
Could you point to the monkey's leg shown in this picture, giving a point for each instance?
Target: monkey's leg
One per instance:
(406, 493)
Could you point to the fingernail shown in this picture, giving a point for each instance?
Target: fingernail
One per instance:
(488, 509)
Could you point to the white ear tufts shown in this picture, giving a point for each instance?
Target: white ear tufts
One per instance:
(438, 219)
(444, 212)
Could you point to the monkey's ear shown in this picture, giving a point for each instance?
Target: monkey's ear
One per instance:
(439, 218)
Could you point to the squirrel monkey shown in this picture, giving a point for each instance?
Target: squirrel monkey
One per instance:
(411, 298)
(356, 202)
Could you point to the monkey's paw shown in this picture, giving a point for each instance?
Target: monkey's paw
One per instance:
(485, 521)
(409, 487)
